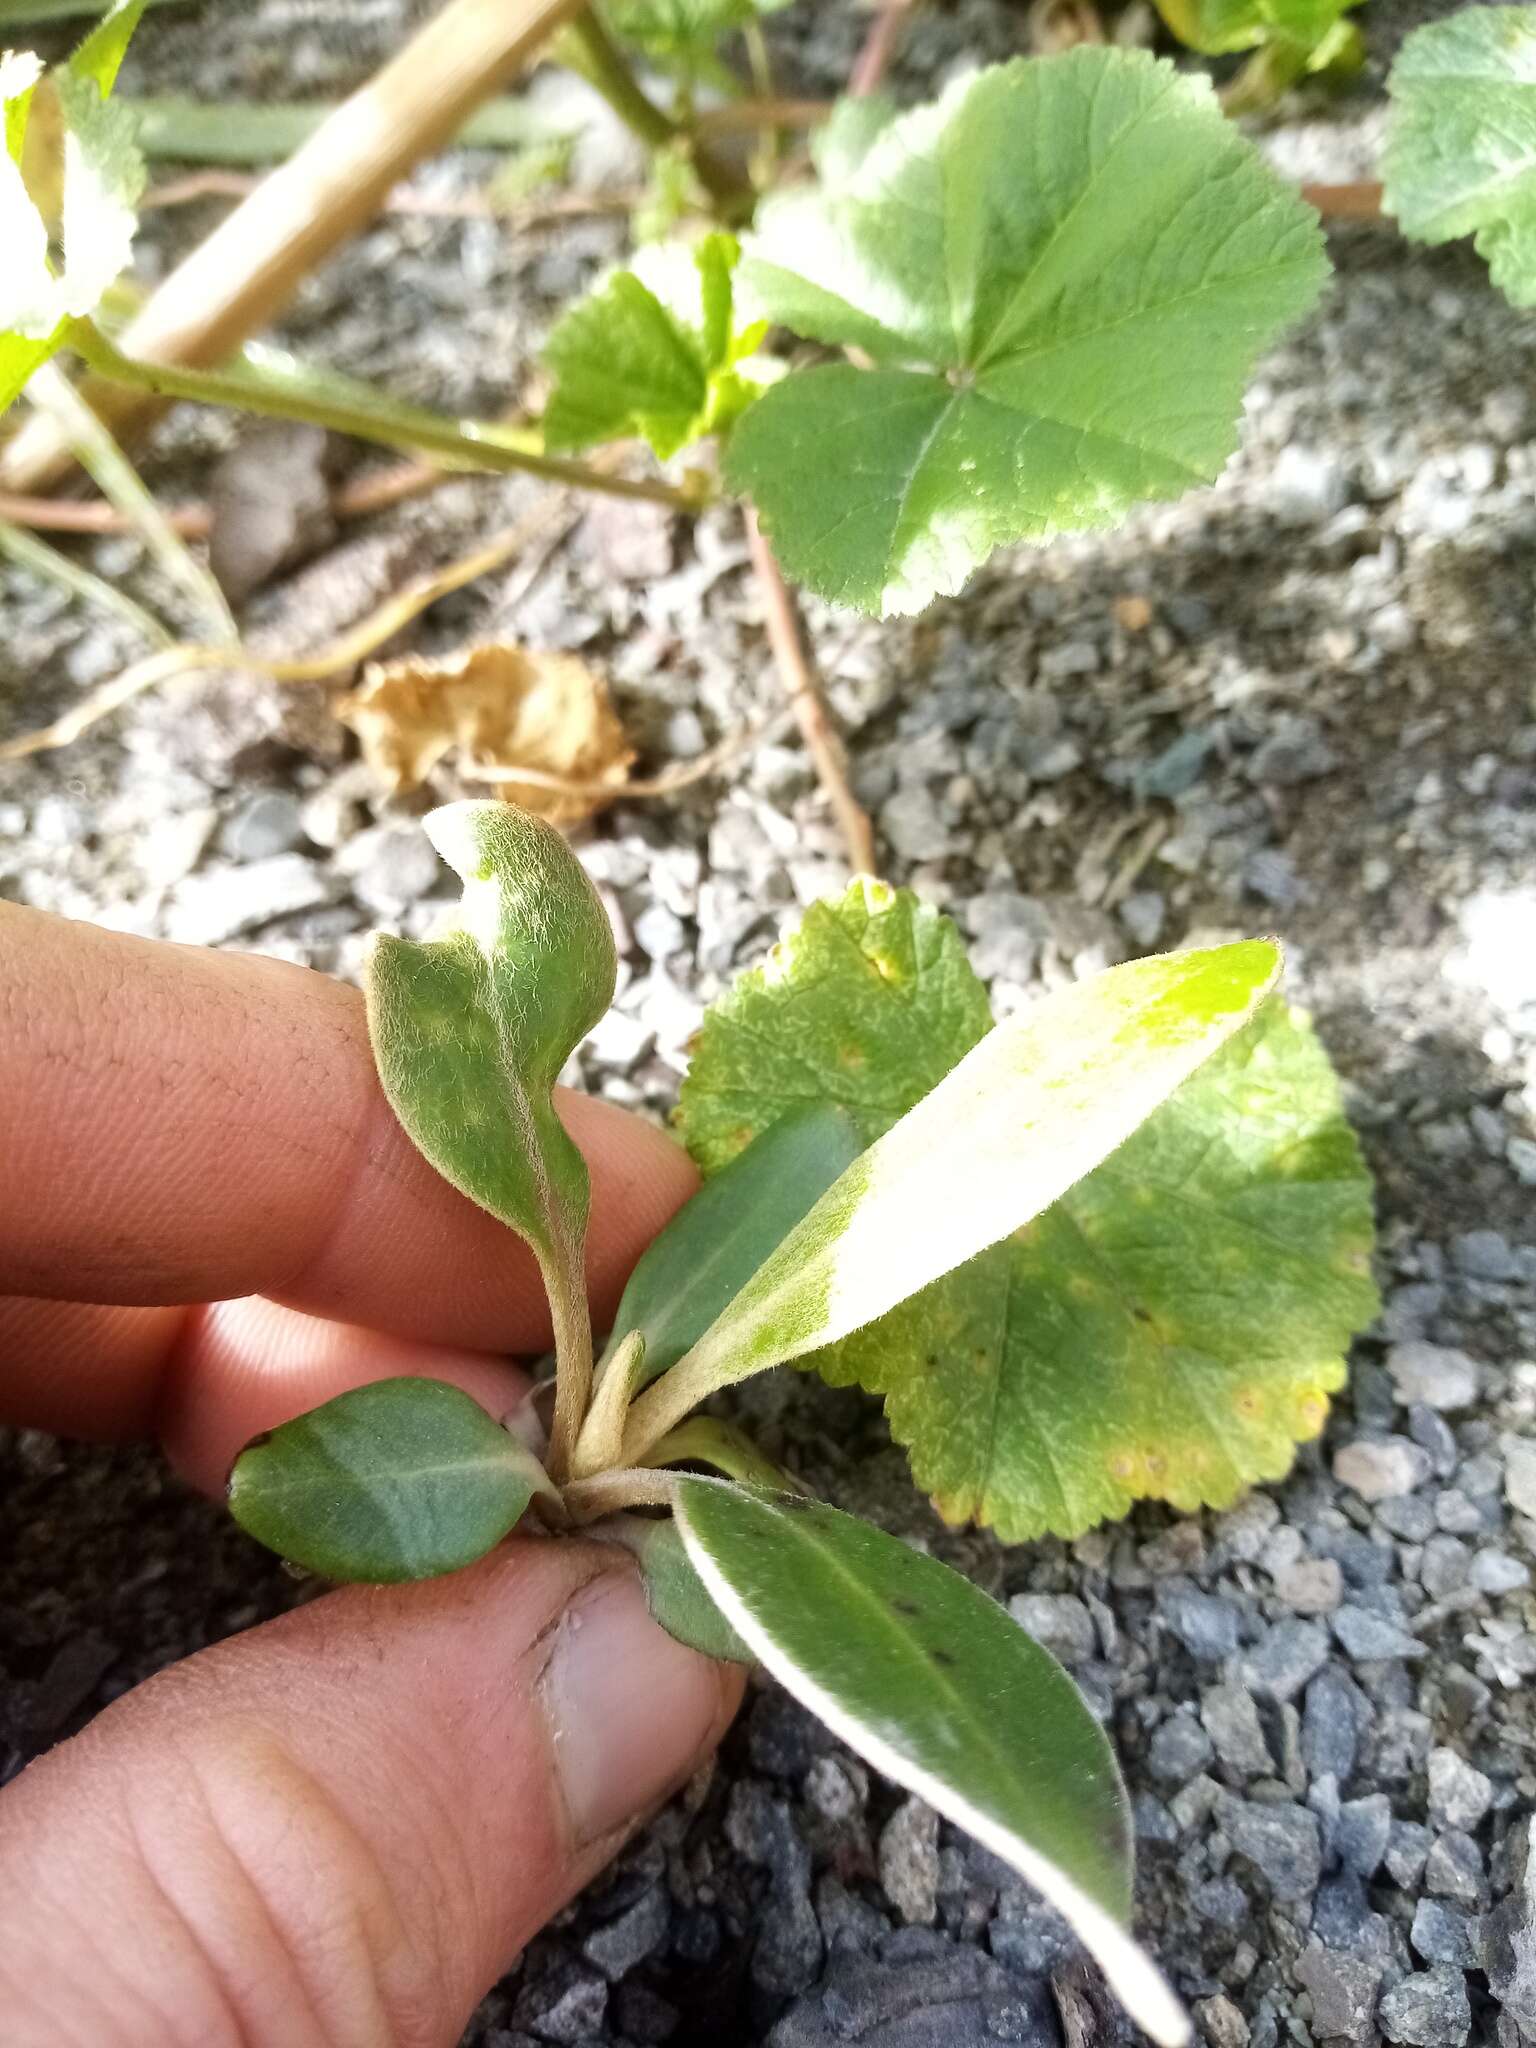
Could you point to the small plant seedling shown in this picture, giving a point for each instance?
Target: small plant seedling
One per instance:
(1460, 156)
(1109, 1246)
(1290, 39)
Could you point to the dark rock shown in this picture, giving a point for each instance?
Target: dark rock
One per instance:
(1281, 1841)
(1361, 1833)
(1206, 1626)
(1291, 1653)
(1407, 1846)
(642, 2014)
(1179, 1749)
(568, 2005)
(1342, 1918)
(1333, 1715)
(1231, 1719)
(1368, 1638)
(1442, 1934)
(1222, 1901)
(1507, 1938)
(937, 1995)
(788, 1948)
(627, 1941)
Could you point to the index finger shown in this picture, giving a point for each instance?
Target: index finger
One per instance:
(186, 1126)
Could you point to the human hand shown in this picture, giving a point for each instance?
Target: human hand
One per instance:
(339, 1827)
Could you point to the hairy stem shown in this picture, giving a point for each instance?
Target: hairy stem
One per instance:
(565, 1284)
(468, 444)
(601, 1441)
(802, 686)
(593, 53)
(608, 1493)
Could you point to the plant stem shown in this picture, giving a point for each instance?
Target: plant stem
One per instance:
(469, 444)
(565, 1284)
(802, 686)
(248, 269)
(598, 59)
(1360, 201)
(601, 1440)
(607, 1493)
(120, 484)
(880, 46)
(36, 555)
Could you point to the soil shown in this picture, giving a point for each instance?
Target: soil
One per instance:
(1299, 701)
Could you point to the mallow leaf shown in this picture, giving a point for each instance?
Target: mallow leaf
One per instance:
(932, 1683)
(1118, 1347)
(652, 352)
(1218, 27)
(1170, 1330)
(1460, 156)
(1029, 1110)
(403, 1479)
(471, 1029)
(1062, 272)
(717, 1241)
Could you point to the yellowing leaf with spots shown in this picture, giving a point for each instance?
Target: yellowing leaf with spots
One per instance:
(1171, 1327)
(1030, 1109)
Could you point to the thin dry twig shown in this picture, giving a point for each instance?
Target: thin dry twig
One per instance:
(549, 210)
(355, 645)
(807, 699)
(1359, 201)
(880, 47)
(680, 775)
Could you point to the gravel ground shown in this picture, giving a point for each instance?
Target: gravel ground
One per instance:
(1301, 701)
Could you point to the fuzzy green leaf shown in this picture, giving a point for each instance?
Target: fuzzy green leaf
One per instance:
(470, 1030)
(403, 1479)
(1029, 1110)
(1063, 271)
(1217, 27)
(674, 1591)
(653, 353)
(716, 1242)
(931, 1682)
(1460, 156)
(1118, 1347)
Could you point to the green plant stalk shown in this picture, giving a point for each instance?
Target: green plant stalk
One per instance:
(1264, 79)
(28, 552)
(466, 444)
(565, 1284)
(591, 52)
(120, 484)
(600, 1442)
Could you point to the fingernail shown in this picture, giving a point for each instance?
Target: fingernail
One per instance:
(629, 1709)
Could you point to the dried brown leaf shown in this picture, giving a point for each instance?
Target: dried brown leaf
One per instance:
(497, 706)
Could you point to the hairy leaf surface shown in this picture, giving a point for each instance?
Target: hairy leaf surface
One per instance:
(1460, 157)
(653, 353)
(470, 1031)
(1062, 272)
(403, 1479)
(1121, 1346)
(931, 1682)
(1029, 1110)
(674, 1592)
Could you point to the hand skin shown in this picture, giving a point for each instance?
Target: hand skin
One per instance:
(337, 1829)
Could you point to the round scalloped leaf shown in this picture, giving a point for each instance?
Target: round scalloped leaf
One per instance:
(1063, 271)
(1172, 1327)
(1170, 1330)
(1460, 157)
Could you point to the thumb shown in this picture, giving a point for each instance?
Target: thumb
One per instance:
(338, 1829)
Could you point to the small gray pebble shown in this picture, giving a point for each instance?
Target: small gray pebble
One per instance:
(1231, 1719)
(1428, 2010)
(1368, 1638)
(1361, 1833)
(1453, 1869)
(1495, 1572)
(1485, 1255)
(1407, 1846)
(1432, 1375)
(1282, 1841)
(1459, 1795)
(1312, 1585)
(623, 1944)
(1344, 1990)
(1206, 1626)
(1444, 1566)
(265, 824)
(1179, 1749)
(1291, 1653)
(1441, 1934)
(1059, 1622)
(1334, 1713)
(1432, 1433)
